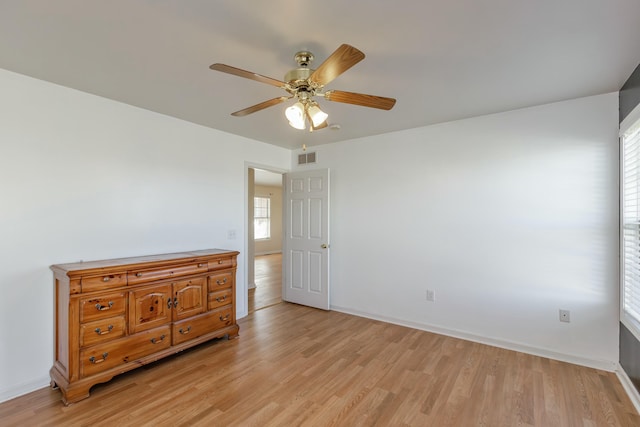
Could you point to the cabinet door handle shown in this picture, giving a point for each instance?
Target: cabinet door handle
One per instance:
(222, 298)
(96, 361)
(183, 332)
(101, 307)
(101, 332)
(169, 302)
(175, 302)
(158, 341)
(225, 318)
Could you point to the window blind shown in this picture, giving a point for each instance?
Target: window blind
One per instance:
(631, 225)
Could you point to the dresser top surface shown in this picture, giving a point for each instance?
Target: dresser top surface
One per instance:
(139, 261)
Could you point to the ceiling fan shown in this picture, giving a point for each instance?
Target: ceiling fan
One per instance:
(304, 83)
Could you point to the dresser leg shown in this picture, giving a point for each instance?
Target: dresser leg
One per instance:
(233, 334)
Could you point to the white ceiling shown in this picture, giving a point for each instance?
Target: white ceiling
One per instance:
(263, 177)
(442, 60)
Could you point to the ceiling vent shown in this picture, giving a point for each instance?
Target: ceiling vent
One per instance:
(306, 158)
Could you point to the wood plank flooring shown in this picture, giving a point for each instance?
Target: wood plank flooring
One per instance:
(297, 366)
(268, 278)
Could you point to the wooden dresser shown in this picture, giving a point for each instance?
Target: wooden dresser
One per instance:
(112, 316)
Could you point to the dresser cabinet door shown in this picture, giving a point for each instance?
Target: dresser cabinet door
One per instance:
(149, 307)
(188, 297)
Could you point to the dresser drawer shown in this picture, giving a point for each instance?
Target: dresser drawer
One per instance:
(195, 327)
(141, 276)
(102, 330)
(220, 281)
(105, 281)
(103, 306)
(222, 317)
(221, 263)
(219, 298)
(117, 352)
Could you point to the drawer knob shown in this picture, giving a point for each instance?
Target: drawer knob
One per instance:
(106, 278)
(158, 341)
(221, 282)
(220, 261)
(225, 318)
(96, 361)
(183, 332)
(222, 298)
(138, 274)
(101, 307)
(101, 332)
(201, 265)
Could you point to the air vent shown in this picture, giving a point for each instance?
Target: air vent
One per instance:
(305, 158)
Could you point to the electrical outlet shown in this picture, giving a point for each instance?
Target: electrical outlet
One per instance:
(231, 234)
(565, 316)
(431, 295)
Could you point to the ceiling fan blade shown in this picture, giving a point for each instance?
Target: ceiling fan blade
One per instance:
(360, 99)
(338, 62)
(247, 74)
(261, 106)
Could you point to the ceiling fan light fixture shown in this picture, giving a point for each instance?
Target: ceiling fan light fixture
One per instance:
(295, 115)
(317, 115)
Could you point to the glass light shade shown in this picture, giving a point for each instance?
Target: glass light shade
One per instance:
(295, 115)
(297, 125)
(317, 115)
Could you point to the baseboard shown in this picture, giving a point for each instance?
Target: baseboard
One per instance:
(267, 253)
(603, 365)
(629, 387)
(21, 389)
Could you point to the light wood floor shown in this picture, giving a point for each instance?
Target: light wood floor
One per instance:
(268, 278)
(297, 366)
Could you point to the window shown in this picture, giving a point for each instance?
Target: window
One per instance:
(261, 218)
(630, 199)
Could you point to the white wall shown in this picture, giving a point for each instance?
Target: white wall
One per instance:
(83, 177)
(508, 218)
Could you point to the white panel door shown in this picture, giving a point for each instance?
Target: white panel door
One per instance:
(306, 240)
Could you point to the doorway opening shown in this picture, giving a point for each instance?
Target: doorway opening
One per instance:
(264, 239)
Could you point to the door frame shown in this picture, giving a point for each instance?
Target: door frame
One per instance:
(248, 243)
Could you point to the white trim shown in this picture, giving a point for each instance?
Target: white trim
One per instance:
(604, 365)
(23, 389)
(629, 387)
(630, 120)
(630, 323)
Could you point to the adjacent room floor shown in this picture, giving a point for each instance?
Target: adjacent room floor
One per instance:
(268, 278)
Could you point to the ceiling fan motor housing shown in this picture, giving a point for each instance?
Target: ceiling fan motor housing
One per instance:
(297, 76)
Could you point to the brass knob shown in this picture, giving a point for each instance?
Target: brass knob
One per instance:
(324, 246)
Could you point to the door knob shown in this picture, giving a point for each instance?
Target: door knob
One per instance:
(324, 246)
